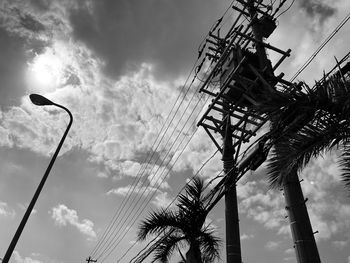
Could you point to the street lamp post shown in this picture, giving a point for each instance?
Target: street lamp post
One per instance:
(40, 101)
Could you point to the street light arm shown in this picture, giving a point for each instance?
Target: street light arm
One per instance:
(70, 119)
(38, 190)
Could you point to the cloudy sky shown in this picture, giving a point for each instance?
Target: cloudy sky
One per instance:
(120, 66)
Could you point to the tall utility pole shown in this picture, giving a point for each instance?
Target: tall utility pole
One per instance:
(304, 241)
(233, 239)
(246, 78)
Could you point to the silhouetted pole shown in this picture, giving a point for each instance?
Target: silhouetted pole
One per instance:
(40, 101)
(233, 242)
(304, 241)
(303, 236)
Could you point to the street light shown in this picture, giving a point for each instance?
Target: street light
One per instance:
(40, 101)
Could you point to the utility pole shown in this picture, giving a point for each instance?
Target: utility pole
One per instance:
(246, 79)
(304, 241)
(233, 239)
(89, 259)
(303, 236)
(239, 63)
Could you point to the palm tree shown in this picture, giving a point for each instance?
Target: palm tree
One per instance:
(312, 122)
(183, 227)
(306, 123)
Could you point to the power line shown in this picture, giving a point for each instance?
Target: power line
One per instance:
(148, 160)
(113, 221)
(167, 154)
(145, 163)
(142, 204)
(286, 9)
(324, 43)
(169, 205)
(138, 191)
(144, 190)
(141, 171)
(115, 217)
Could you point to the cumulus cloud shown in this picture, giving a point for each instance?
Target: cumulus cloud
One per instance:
(101, 24)
(25, 32)
(199, 150)
(340, 244)
(318, 8)
(272, 245)
(6, 211)
(321, 180)
(245, 236)
(64, 216)
(265, 207)
(138, 189)
(116, 120)
(162, 200)
(24, 207)
(289, 251)
(18, 259)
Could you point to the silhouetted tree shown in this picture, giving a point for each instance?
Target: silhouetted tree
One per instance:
(307, 123)
(183, 227)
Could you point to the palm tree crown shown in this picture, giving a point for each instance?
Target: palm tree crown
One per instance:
(306, 123)
(183, 227)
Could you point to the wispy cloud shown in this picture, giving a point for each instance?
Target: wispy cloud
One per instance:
(63, 216)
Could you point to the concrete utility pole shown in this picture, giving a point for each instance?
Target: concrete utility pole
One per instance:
(304, 241)
(303, 236)
(233, 239)
(242, 75)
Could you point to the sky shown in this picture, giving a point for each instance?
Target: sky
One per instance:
(119, 66)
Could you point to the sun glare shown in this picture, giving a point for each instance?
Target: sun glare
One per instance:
(46, 72)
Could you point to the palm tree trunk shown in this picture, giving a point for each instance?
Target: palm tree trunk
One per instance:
(193, 255)
(303, 237)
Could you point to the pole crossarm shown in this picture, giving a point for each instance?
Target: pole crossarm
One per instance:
(236, 65)
(247, 78)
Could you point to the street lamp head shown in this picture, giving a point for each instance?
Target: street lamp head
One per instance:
(40, 100)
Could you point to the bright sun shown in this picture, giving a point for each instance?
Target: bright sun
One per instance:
(46, 72)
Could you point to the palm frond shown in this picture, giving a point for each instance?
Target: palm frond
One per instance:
(191, 202)
(165, 249)
(210, 245)
(345, 165)
(158, 222)
(313, 121)
(294, 150)
(183, 225)
(193, 192)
